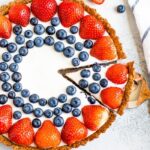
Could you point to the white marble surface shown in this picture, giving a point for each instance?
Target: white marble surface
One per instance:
(132, 130)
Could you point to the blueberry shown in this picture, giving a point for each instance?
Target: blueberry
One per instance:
(38, 41)
(13, 67)
(17, 115)
(75, 102)
(33, 98)
(3, 66)
(6, 56)
(39, 29)
(91, 100)
(88, 44)
(75, 62)
(83, 83)
(29, 44)
(23, 51)
(38, 112)
(121, 8)
(103, 83)
(58, 121)
(79, 46)
(25, 93)
(36, 123)
(76, 112)
(17, 87)
(83, 56)
(55, 21)
(42, 102)
(96, 76)
(27, 108)
(85, 73)
(66, 108)
(96, 67)
(4, 76)
(17, 29)
(57, 111)
(3, 99)
(94, 88)
(3, 43)
(74, 29)
(61, 34)
(52, 102)
(16, 76)
(34, 21)
(49, 40)
(20, 39)
(17, 58)
(59, 46)
(71, 39)
(71, 90)
(18, 101)
(6, 87)
(50, 30)
(11, 47)
(28, 33)
(48, 113)
(62, 98)
(69, 52)
(11, 94)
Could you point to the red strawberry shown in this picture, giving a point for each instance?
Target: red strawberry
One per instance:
(5, 27)
(93, 116)
(44, 9)
(73, 131)
(19, 14)
(112, 96)
(70, 13)
(91, 28)
(22, 132)
(104, 49)
(98, 1)
(5, 118)
(47, 136)
(117, 73)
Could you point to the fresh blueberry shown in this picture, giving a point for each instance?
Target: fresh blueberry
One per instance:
(91, 100)
(17, 115)
(3, 99)
(38, 41)
(103, 83)
(71, 90)
(27, 108)
(85, 73)
(50, 30)
(23, 51)
(25, 93)
(17, 87)
(49, 40)
(28, 33)
(52, 102)
(59, 46)
(48, 113)
(3, 43)
(34, 21)
(61, 34)
(4, 76)
(29, 44)
(71, 39)
(83, 83)
(74, 29)
(20, 39)
(62, 98)
(6, 56)
(69, 52)
(76, 112)
(16, 76)
(94, 88)
(38, 112)
(66, 108)
(96, 67)
(88, 44)
(17, 29)
(3, 66)
(13, 67)
(18, 101)
(11, 47)
(79, 46)
(42, 102)
(57, 111)
(17, 58)
(83, 56)
(75, 102)
(36, 123)
(11, 94)
(96, 76)
(33, 98)
(6, 87)
(121, 8)
(39, 29)
(75, 62)
(55, 21)
(58, 121)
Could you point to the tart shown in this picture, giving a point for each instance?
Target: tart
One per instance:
(83, 88)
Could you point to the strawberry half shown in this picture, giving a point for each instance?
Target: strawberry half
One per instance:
(22, 132)
(47, 136)
(70, 13)
(5, 118)
(98, 1)
(73, 131)
(91, 28)
(44, 9)
(19, 14)
(104, 49)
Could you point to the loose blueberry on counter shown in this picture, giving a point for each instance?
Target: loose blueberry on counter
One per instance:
(71, 90)
(3, 43)
(20, 39)
(61, 34)
(57, 111)
(13, 67)
(48, 113)
(58, 121)
(17, 87)
(94, 88)
(6, 87)
(66, 108)
(28, 33)
(91, 100)
(18, 101)
(39, 29)
(36, 123)
(74, 29)
(69, 52)
(29, 44)
(52, 102)
(3, 66)
(55, 21)
(17, 29)
(16, 76)
(4, 76)
(96, 76)
(75, 62)
(59, 46)
(96, 67)
(17, 58)
(38, 112)
(38, 42)
(76, 112)
(25, 93)
(6, 56)
(83, 83)
(75, 102)
(34, 21)
(85, 73)
(17, 115)
(103, 83)
(121, 8)
(11, 94)
(11, 47)
(49, 40)
(33, 98)
(88, 44)
(83, 56)
(62, 98)
(23, 51)
(3, 99)
(27, 108)
(71, 39)
(42, 102)
(50, 30)
(79, 46)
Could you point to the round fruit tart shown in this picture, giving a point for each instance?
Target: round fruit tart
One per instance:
(61, 85)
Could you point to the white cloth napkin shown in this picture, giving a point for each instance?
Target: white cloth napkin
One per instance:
(141, 11)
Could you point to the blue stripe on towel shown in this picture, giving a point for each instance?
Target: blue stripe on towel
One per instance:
(134, 5)
(145, 34)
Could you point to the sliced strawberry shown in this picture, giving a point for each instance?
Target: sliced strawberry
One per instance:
(104, 49)
(22, 132)
(47, 136)
(70, 13)
(117, 73)
(73, 131)
(98, 1)
(112, 96)
(44, 9)
(19, 14)
(5, 118)
(91, 28)
(5, 27)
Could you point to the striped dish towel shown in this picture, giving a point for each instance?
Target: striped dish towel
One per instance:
(141, 11)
